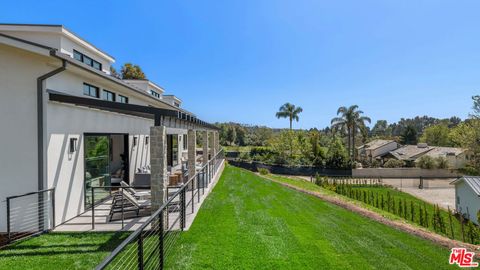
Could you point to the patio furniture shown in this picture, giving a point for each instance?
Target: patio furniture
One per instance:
(141, 179)
(128, 204)
(143, 195)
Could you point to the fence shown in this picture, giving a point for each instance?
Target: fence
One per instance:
(30, 214)
(289, 170)
(152, 244)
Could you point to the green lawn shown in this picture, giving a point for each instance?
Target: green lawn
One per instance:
(251, 223)
(60, 251)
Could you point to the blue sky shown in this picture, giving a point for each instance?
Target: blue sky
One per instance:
(240, 60)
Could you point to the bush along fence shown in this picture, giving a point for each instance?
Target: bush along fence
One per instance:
(372, 192)
(289, 170)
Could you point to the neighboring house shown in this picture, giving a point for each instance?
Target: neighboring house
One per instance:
(408, 153)
(67, 123)
(375, 149)
(467, 194)
(456, 157)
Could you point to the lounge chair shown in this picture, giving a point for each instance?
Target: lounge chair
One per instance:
(138, 194)
(129, 204)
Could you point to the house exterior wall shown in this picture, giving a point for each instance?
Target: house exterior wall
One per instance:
(466, 201)
(18, 116)
(65, 170)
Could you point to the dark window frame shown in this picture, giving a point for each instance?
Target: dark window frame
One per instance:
(83, 58)
(155, 93)
(97, 90)
(113, 95)
(122, 99)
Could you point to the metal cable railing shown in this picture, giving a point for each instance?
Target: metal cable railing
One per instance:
(153, 243)
(30, 214)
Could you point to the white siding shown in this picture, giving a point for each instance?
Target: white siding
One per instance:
(18, 117)
(65, 171)
(469, 201)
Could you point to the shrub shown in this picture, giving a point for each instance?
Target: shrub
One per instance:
(245, 156)
(426, 162)
(263, 171)
(441, 162)
(394, 163)
(469, 170)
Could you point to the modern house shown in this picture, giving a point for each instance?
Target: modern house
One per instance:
(375, 149)
(68, 124)
(467, 194)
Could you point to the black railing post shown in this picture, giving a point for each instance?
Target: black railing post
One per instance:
(182, 209)
(8, 220)
(160, 238)
(123, 212)
(198, 186)
(93, 208)
(140, 251)
(53, 208)
(193, 197)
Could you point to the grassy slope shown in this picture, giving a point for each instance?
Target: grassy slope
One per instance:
(383, 190)
(248, 223)
(60, 251)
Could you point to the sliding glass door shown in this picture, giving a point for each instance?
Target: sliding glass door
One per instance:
(97, 167)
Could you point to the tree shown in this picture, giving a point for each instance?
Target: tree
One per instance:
(132, 72)
(426, 162)
(231, 135)
(114, 73)
(350, 120)
(409, 135)
(476, 107)
(337, 157)
(380, 128)
(289, 111)
(437, 135)
(394, 163)
(441, 163)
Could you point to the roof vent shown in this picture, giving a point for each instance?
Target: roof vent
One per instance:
(422, 145)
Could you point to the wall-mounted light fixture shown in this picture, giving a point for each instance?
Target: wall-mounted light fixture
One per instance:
(135, 140)
(146, 140)
(73, 145)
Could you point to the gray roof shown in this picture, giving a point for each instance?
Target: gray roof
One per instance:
(375, 144)
(409, 152)
(472, 181)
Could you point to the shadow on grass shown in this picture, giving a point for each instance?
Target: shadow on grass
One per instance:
(65, 244)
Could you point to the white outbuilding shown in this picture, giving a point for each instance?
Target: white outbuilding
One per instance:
(467, 194)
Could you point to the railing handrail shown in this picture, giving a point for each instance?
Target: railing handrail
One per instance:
(140, 229)
(29, 193)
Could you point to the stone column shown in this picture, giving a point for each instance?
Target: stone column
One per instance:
(205, 146)
(217, 142)
(158, 163)
(211, 144)
(192, 145)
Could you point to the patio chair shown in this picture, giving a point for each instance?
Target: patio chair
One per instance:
(132, 191)
(129, 204)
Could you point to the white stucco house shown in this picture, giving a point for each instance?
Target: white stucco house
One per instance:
(467, 196)
(68, 124)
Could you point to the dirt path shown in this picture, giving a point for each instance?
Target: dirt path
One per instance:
(406, 227)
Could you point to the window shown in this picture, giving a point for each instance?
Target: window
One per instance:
(122, 99)
(458, 199)
(107, 95)
(87, 60)
(90, 90)
(155, 94)
(184, 141)
(77, 55)
(176, 104)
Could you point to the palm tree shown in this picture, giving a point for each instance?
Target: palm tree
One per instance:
(350, 120)
(289, 111)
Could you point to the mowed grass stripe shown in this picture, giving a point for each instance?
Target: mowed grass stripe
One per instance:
(251, 223)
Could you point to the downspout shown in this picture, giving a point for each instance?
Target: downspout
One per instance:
(40, 123)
